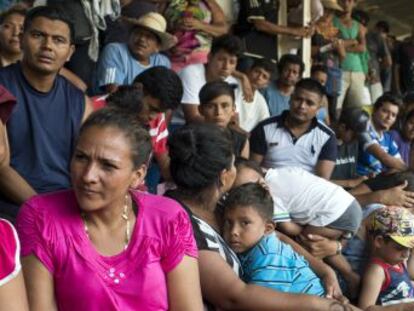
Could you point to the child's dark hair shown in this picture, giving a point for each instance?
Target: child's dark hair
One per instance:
(388, 181)
(229, 43)
(250, 195)
(214, 89)
(319, 68)
(355, 119)
(199, 153)
(264, 64)
(52, 12)
(387, 98)
(290, 59)
(16, 9)
(127, 98)
(310, 85)
(162, 83)
(408, 98)
(242, 162)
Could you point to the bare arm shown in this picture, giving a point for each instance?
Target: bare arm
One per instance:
(349, 183)
(361, 44)
(246, 150)
(39, 285)
(258, 158)
(410, 265)
(163, 161)
(183, 282)
(371, 286)
(12, 184)
(385, 158)
(88, 108)
(324, 168)
(290, 228)
(13, 295)
(192, 114)
(221, 287)
(78, 82)
(218, 25)
(274, 29)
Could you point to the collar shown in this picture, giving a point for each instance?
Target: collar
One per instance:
(282, 120)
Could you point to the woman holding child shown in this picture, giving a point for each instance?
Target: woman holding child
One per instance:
(102, 245)
(202, 166)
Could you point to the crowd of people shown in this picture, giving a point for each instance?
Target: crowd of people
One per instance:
(162, 155)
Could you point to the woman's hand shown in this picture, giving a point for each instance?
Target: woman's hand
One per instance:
(319, 246)
(190, 23)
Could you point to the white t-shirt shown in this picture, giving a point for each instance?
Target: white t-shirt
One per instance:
(250, 114)
(304, 198)
(193, 78)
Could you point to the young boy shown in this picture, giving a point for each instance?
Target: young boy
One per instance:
(251, 113)
(320, 74)
(266, 261)
(388, 276)
(312, 206)
(217, 106)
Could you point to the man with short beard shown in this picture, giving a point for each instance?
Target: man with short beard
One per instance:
(277, 94)
(296, 137)
(36, 149)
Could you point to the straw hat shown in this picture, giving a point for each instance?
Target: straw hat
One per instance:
(332, 4)
(155, 23)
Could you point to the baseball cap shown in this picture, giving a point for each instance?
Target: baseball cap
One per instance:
(394, 222)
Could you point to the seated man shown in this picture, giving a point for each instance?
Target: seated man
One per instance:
(277, 94)
(371, 159)
(221, 65)
(37, 148)
(296, 137)
(250, 114)
(120, 63)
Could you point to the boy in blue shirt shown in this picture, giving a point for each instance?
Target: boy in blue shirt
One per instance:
(266, 261)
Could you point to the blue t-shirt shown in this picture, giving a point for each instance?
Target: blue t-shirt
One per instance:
(118, 66)
(367, 163)
(274, 264)
(42, 129)
(276, 101)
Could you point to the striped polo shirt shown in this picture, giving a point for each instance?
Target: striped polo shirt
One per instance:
(273, 140)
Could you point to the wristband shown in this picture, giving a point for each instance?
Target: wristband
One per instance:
(338, 248)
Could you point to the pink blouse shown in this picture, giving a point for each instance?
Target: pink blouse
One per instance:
(9, 252)
(51, 228)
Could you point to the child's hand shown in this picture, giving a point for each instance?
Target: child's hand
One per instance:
(332, 288)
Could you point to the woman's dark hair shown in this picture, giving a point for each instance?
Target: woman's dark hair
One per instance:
(139, 138)
(162, 83)
(387, 98)
(16, 9)
(250, 195)
(127, 98)
(53, 12)
(242, 162)
(214, 89)
(199, 153)
(229, 43)
(310, 85)
(288, 59)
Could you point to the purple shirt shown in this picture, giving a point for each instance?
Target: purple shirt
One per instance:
(403, 146)
(50, 227)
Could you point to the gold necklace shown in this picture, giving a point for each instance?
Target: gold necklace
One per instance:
(124, 216)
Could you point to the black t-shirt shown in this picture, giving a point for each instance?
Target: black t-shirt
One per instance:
(257, 43)
(346, 160)
(405, 58)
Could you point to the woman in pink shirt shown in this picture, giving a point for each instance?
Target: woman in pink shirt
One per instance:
(102, 246)
(12, 291)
